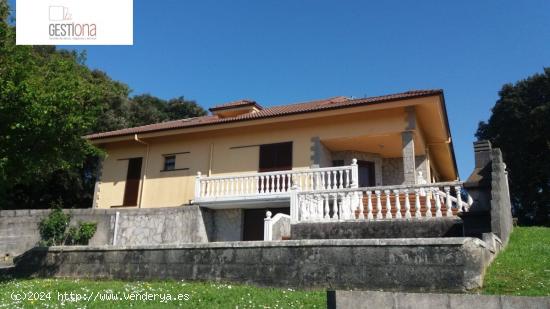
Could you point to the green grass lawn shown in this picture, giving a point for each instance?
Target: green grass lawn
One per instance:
(523, 268)
(49, 293)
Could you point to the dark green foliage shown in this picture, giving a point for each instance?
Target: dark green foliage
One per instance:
(520, 126)
(54, 232)
(52, 228)
(49, 99)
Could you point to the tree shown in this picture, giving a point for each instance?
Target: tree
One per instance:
(179, 108)
(49, 99)
(520, 126)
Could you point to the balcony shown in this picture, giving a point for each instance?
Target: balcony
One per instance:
(430, 200)
(220, 191)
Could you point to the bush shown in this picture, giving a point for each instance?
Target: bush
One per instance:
(82, 234)
(53, 229)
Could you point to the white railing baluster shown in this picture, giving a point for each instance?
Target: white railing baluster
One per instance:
(428, 202)
(327, 206)
(397, 204)
(369, 206)
(289, 182)
(448, 202)
(417, 212)
(341, 183)
(437, 203)
(347, 184)
(388, 204)
(335, 207)
(378, 205)
(407, 204)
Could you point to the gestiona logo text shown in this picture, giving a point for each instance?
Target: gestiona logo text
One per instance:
(62, 25)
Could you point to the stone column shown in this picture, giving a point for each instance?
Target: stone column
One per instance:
(409, 166)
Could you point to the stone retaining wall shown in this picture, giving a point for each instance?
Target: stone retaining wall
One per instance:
(395, 228)
(376, 299)
(421, 264)
(173, 225)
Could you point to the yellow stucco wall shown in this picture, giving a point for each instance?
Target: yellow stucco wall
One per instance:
(215, 151)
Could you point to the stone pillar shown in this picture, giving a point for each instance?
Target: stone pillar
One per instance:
(478, 183)
(409, 166)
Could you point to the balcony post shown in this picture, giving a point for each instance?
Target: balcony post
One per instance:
(294, 204)
(354, 174)
(268, 231)
(198, 186)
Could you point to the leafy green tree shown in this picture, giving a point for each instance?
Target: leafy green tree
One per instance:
(146, 109)
(179, 108)
(520, 126)
(49, 99)
(47, 102)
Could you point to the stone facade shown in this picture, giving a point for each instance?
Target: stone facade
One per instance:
(320, 155)
(226, 224)
(392, 171)
(172, 226)
(409, 164)
(423, 264)
(393, 174)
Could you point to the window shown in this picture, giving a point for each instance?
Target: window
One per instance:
(275, 157)
(170, 163)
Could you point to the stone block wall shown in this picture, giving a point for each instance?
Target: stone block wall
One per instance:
(423, 264)
(19, 228)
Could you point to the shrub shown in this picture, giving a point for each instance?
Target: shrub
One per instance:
(82, 234)
(53, 229)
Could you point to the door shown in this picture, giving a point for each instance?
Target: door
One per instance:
(253, 225)
(367, 177)
(275, 157)
(131, 188)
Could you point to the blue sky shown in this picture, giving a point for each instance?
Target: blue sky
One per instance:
(278, 52)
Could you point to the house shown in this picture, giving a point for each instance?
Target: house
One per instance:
(244, 159)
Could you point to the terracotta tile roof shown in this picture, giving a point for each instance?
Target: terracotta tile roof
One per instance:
(275, 111)
(236, 104)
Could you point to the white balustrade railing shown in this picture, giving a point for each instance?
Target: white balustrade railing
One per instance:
(375, 203)
(274, 184)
